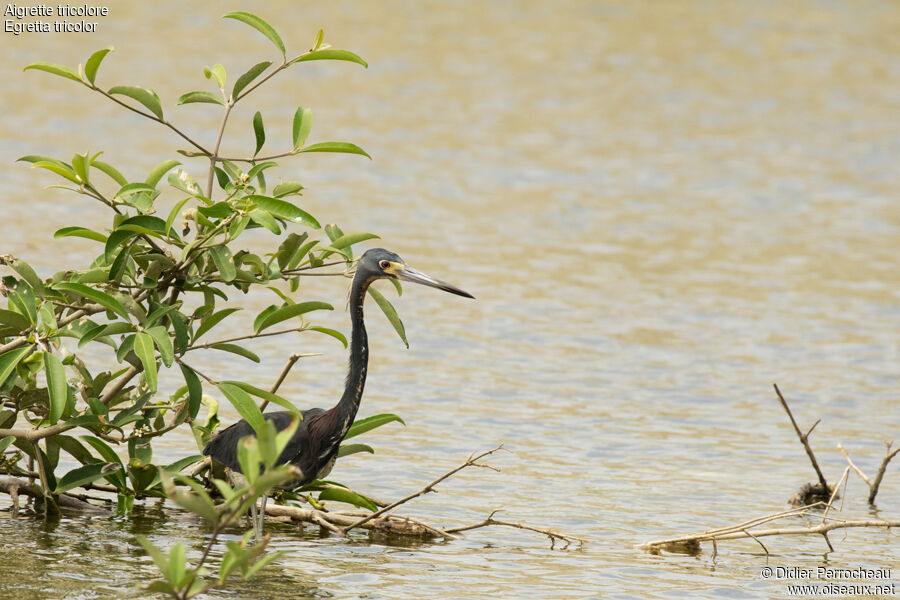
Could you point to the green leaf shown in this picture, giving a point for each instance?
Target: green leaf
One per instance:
(245, 79)
(143, 347)
(181, 332)
(344, 147)
(146, 97)
(102, 448)
(9, 360)
(195, 390)
(259, 131)
(24, 269)
(266, 395)
(224, 262)
(217, 72)
(302, 125)
(286, 189)
(235, 349)
(244, 404)
(340, 495)
(176, 563)
(286, 251)
(101, 298)
(82, 475)
(317, 43)
(259, 25)
(390, 312)
(155, 553)
(56, 386)
(181, 180)
(348, 239)
(361, 426)
(181, 463)
(5, 442)
(15, 320)
(288, 312)
(81, 165)
(173, 214)
(163, 343)
(257, 169)
(159, 170)
(331, 54)
(207, 97)
(80, 232)
(284, 209)
(335, 334)
(55, 69)
(114, 242)
(110, 171)
(34, 158)
(93, 63)
(264, 219)
(133, 188)
(213, 320)
(60, 169)
(348, 449)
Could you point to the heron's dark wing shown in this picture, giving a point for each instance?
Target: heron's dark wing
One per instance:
(298, 448)
(223, 447)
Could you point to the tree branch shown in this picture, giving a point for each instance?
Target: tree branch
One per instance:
(803, 439)
(472, 461)
(873, 485)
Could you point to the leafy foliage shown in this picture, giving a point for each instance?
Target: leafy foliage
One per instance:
(154, 296)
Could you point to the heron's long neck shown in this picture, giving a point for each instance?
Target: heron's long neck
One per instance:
(359, 359)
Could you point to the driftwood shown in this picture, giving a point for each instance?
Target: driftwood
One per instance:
(342, 522)
(873, 485)
(811, 497)
(382, 522)
(690, 544)
(809, 493)
(15, 486)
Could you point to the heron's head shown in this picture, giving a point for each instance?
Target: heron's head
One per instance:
(379, 263)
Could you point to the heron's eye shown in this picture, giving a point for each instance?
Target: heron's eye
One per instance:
(384, 264)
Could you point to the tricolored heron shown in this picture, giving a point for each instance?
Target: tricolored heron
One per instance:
(314, 446)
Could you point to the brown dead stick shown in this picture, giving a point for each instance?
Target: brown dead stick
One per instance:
(14, 486)
(804, 439)
(822, 529)
(873, 485)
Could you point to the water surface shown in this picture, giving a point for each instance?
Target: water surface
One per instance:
(662, 209)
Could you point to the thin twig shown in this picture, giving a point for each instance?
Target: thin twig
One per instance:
(803, 439)
(821, 529)
(554, 536)
(292, 359)
(758, 541)
(834, 493)
(472, 461)
(854, 467)
(874, 485)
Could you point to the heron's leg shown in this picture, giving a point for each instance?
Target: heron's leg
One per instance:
(255, 520)
(262, 517)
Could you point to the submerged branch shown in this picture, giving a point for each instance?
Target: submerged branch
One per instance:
(804, 439)
(678, 544)
(14, 486)
(873, 485)
(472, 461)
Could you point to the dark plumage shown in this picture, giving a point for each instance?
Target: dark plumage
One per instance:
(314, 446)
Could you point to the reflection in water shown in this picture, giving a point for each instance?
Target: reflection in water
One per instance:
(662, 208)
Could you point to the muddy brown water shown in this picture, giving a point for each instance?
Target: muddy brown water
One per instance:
(662, 207)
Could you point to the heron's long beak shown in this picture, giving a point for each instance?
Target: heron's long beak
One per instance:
(407, 273)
